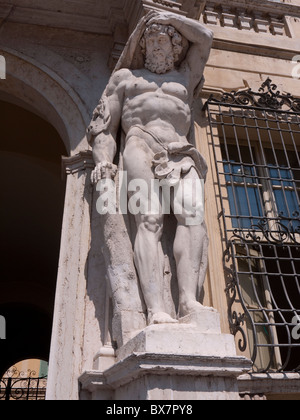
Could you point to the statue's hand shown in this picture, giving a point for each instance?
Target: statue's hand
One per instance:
(151, 15)
(162, 19)
(103, 170)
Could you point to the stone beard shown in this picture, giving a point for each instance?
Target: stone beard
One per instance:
(159, 63)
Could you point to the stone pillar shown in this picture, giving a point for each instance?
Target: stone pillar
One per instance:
(98, 300)
(68, 324)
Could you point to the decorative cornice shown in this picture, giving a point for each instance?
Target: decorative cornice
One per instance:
(80, 162)
(263, 6)
(168, 4)
(100, 18)
(56, 19)
(80, 17)
(103, 19)
(140, 364)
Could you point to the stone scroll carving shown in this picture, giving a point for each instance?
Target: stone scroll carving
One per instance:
(145, 112)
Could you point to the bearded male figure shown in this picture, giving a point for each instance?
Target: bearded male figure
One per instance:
(153, 105)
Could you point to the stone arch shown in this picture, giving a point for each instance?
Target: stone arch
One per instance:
(39, 89)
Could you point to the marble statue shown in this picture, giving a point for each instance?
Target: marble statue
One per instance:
(150, 97)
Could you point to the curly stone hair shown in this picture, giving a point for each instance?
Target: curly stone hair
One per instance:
(175, 36)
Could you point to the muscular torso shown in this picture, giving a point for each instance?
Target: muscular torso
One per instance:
(159, 103)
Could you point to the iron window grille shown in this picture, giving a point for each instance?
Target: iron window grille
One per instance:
(256, 142)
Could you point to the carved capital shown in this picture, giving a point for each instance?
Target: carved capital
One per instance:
(80, 162)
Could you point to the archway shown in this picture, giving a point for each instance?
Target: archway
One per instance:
(32, 202)
(45, 92)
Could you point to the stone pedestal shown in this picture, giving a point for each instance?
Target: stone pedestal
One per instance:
(193, 361)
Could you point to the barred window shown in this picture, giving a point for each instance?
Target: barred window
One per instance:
(256, 143)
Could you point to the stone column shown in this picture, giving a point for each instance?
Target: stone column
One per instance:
(92, 314)
(68, 324)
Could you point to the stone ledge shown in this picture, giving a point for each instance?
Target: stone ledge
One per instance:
(141, 364)
(269, 383)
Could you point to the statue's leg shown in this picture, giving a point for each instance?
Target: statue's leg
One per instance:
(150, 268)
(138, 164)
(190, 245)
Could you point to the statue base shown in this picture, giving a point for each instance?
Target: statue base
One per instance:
(193, 361)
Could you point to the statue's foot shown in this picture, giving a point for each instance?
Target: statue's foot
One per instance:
(188, 308)
(161, 318)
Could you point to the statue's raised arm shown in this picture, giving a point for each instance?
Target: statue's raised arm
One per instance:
(199, 38)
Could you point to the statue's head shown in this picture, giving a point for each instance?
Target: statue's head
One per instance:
(161, 46)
